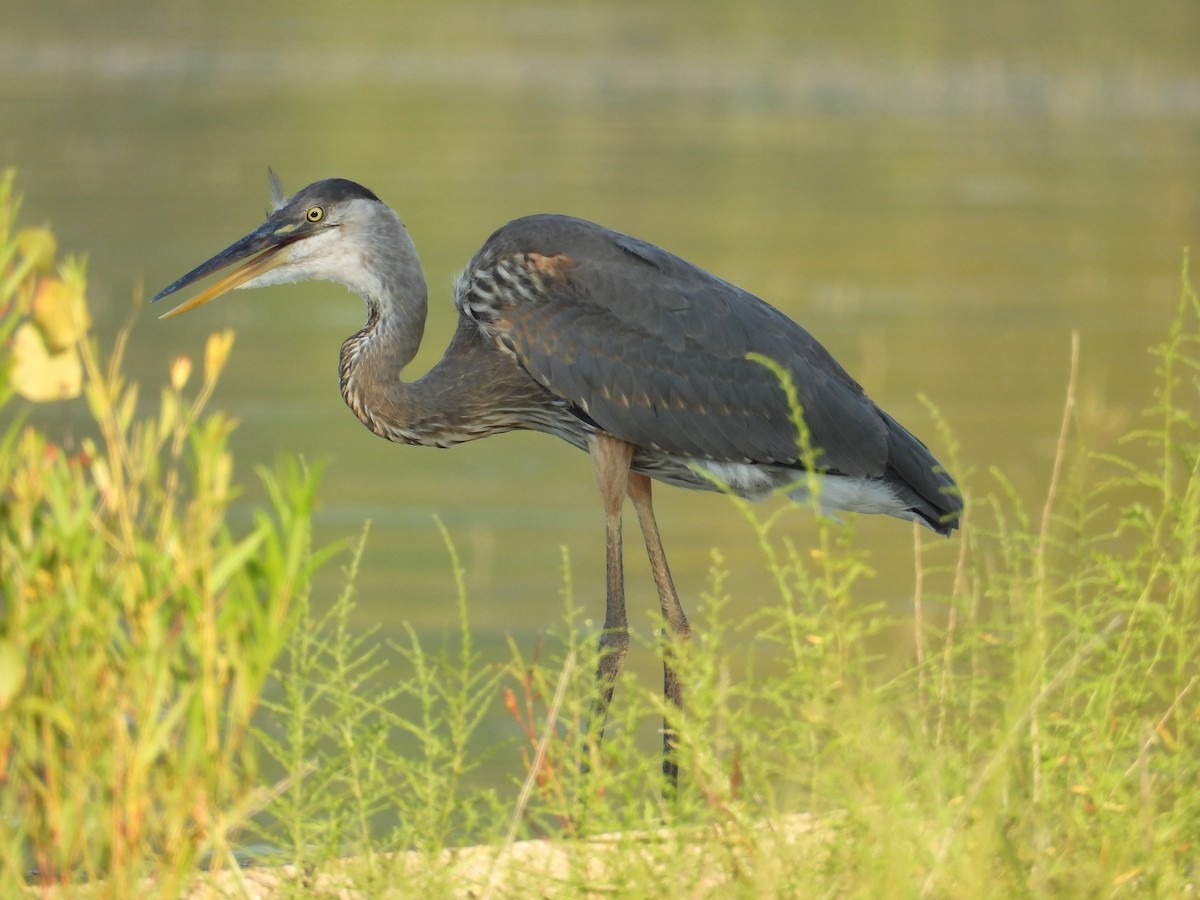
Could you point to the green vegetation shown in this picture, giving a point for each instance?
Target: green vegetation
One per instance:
(1034, 734)
(138, 629)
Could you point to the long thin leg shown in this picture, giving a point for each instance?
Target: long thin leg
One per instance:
(611, 458)
(676, 631)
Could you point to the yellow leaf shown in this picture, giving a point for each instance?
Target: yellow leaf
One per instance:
(60, 312)
(216, 352)
(39, 375)
(38, 247)
(181, 370)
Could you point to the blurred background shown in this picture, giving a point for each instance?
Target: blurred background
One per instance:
(940, 191)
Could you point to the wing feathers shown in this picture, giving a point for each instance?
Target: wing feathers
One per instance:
(655, 351)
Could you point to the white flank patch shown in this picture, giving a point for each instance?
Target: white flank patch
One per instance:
(744, 479)
(838, 493)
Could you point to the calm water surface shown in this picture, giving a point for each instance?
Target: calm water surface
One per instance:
(941, 195)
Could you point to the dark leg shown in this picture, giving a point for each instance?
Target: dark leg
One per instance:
(676, 631)
(611, 458)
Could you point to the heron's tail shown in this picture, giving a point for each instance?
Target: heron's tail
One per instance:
(920, 481)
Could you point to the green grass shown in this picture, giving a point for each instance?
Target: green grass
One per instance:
(170, 695)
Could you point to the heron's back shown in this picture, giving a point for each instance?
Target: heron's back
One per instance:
(651, 349)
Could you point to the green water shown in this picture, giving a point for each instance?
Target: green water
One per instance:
(941, 192)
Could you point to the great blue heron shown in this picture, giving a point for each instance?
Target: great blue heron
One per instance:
(613, 344)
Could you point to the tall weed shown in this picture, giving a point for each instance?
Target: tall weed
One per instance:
(137, 629)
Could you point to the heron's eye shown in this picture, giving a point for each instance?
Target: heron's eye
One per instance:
(314, 214)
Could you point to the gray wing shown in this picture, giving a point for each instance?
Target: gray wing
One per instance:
(654, 351)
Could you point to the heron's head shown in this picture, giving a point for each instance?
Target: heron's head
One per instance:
(316, 234)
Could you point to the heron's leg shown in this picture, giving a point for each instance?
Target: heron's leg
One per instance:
(676, 631)
(611, 458)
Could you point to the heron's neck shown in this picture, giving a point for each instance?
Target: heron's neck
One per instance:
(388, 277)
(472, 392)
